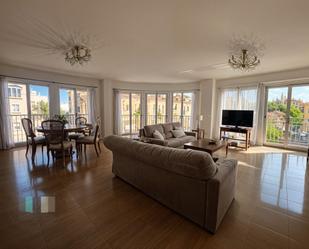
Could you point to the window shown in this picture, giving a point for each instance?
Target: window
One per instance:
(67, 103)
(240, 99)
(129, 112)
(183, 109)
(15, 108)
(156, 108)
(134, 110)
(14, 91)
(82, 102)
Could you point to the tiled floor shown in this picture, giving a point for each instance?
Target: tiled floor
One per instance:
(96, 210)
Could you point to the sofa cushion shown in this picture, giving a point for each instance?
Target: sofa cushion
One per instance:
(149, 130)
(158, 135)
(174, 142)
(168, 127)
(186, 139)
(178, 133)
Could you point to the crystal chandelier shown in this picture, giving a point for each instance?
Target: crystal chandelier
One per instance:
(78, 54)
(245, 52)
(244, 61)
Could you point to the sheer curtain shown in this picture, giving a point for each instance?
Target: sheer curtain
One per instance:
(244, 98)
(92, 105)
(117, 124)
(6, 134)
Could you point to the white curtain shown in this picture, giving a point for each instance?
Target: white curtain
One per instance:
(117, 124)
(6, 134)
(92, 106)
(244, 98)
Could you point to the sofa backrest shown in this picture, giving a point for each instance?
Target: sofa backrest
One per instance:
(190, 163)
(164, 129)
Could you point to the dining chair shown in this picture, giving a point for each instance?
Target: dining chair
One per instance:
(31, 138)
(56, 139)
(79, 121)
(86, 140)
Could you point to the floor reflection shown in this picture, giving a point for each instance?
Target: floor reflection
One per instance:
(283, 177)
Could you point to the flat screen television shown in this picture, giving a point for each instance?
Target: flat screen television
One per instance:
(237, 118)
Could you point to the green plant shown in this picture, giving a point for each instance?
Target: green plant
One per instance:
(61, 118)
(273, 134)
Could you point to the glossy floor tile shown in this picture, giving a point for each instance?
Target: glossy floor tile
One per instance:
(93, 209)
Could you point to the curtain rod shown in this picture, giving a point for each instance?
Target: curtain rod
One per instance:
(49, 81)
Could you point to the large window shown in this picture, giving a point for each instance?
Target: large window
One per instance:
(27, 101)
(129, 108)
(32, 100)
(134, 110)
(156, 108)
(73, 103)
(183, 109)
(287, 122)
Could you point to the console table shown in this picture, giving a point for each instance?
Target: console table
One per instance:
(246, 131)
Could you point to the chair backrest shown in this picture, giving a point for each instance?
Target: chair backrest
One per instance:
(81, 121)
(27, 125)
(96, 132)
(53, 131)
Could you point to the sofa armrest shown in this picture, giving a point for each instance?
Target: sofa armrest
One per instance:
(190, 133)
(220, 193)
(157, 141)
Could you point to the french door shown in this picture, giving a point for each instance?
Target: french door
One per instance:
(156, 108)
(130, 112)
(287, 115)
(26, 101)
(183, 109)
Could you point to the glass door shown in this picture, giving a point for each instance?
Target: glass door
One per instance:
(156, 104)
(298, 129)
(39, 104)
(130, 113)
(276, 115)
(183, 109)
(287, 117)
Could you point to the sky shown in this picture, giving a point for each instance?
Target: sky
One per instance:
(298, 92)
(43, 91)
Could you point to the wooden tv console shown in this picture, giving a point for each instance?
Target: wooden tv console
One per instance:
(246, 131)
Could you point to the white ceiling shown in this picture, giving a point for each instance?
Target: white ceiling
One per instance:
(155, 40)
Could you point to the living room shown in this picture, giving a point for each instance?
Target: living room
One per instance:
(180, 124)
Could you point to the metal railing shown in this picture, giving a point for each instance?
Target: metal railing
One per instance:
(297, 132)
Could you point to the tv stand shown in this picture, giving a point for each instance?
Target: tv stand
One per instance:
(246, 131)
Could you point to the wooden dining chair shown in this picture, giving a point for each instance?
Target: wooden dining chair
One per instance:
(79, 121)
(31, 138)
(56, 139)
(86, 140)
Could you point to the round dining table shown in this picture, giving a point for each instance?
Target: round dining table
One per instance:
(68, 128)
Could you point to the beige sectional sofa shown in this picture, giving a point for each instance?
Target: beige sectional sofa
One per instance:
(187, 181)
(165, 130)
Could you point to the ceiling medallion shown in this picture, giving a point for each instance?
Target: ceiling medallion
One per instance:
(78, 54)
(245, 53)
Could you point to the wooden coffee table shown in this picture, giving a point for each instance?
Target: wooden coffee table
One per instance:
(203, 145)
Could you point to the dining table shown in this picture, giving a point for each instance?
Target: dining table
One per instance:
(67, 129)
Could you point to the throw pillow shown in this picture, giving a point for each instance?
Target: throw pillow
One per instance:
(158, 135)
(178, 133)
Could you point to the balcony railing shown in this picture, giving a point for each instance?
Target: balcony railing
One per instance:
(17, 129)
(297, 132)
